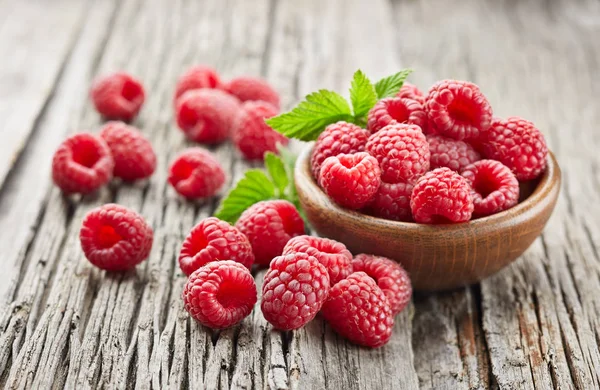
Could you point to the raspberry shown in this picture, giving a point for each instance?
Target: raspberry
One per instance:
(351, 180)
(519, 145)
(196, 173)
(396, 110)
(451, 153)
(82, 164)
(391, 278)
(251, 135)
(132, 152)
(206, 115)
(269, 225)
(332, 254)
(401, 150)
(220, 294)
(337, 138)
(294, 289)
(392, 201)
(118, 96)
(493, 187)
(196, 77)
(115, 238)
(458, 109)
(253, 89)
(212, 240)
(358, 310)
(441, 196)
(411, 91)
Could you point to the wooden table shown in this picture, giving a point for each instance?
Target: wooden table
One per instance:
(536, 324)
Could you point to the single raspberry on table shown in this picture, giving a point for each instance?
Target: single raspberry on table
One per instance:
(294, 289)
(269, 225)
(518, 144)
(115, 238)
(118, 96)
(220, 294)
(391, 278)
(358, 310)
(196, 173)
(401, 150)
(392, 201)
(411, 91)
(213, 240)
(82, 164)
(451, 153)
(206, 115)
(441, 196)
(197, 77)
(252, 89)
(458, 109)
(337, 138)
(350, 180)
(332, 254)
(251, 135)
(396, 110)
(493, 187)
(132, 152)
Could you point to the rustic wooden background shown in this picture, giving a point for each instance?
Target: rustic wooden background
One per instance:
(64, 323)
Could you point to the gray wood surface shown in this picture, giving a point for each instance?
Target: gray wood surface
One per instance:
(63, 323)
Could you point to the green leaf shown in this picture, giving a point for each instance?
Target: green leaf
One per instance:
(362, 94)
(308, 119)
(389, 86)
(254, 187)
(277, 171)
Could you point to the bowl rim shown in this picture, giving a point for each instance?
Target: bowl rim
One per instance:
(549, 179)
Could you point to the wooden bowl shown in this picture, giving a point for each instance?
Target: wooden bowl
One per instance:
(437, 257)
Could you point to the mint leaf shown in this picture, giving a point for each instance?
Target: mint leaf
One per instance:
(278, 173)
(389, 86)
(362, 94)
(308, 119)
(252, 188)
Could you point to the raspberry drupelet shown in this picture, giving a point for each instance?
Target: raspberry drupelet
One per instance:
(247, 88)
(251, 135)
(392, 201)
(82, 164)
(118, 96)
(196, 173)
(396, 110)
(220, 294)
(494, 187)
(197, 77)
(451, 153)
(115, 238)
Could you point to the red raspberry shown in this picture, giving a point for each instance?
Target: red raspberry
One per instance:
(206, 115)
(358, 310)
(451, 153)
(269, 225)
(337, 138)
(115, 238)
(332, 254)
(493, 187)
(118, 96)
(212, 240)
(350, 180)
(441, 196)
(411, 91)
(132, 152)
(220, 294)
(458, 109)
(196, 173)
(519, 145)
(253, 89)
(294, 289)
(392, 201)
(197, 77)
(251, 135)
(391, 278)
(396, 110)
(82, 164)
(401, 150)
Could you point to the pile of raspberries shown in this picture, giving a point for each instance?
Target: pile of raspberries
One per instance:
(435, 158)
